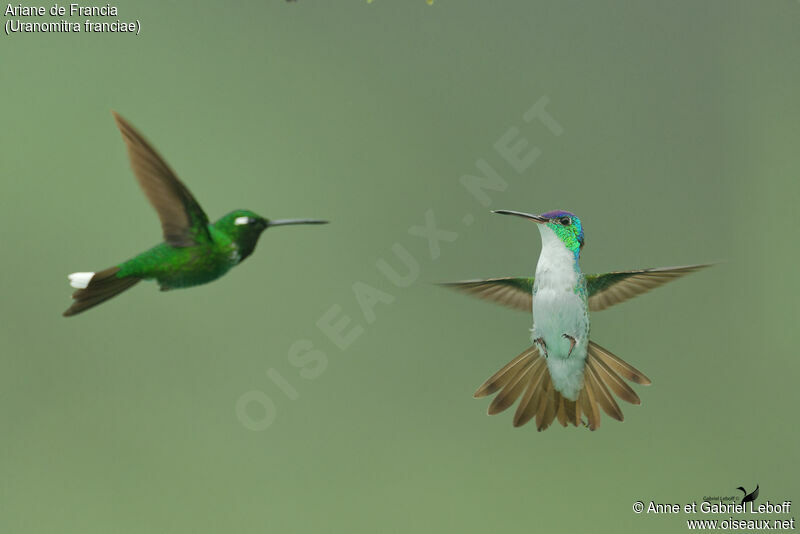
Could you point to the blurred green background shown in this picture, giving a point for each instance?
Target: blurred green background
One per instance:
(680, 133)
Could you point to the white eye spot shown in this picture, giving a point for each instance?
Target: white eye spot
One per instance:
(241, 220)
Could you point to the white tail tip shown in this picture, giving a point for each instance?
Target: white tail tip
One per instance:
(80, 280)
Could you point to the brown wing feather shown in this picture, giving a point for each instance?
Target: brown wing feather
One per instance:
(604, 289)
(608, 289)
(182, 220)
(509, 291)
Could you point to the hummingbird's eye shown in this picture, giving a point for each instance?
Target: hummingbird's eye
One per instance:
(565, 221)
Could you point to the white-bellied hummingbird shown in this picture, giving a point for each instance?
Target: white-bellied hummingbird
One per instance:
(563, 374)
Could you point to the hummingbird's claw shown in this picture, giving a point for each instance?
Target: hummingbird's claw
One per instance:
(542, 345)
(572, 343)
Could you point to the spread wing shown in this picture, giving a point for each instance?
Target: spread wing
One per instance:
(182, 219)
(515, 293)
(604, 289)
(612, 288)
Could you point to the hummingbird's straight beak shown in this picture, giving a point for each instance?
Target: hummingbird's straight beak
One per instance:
(282, 222)
(536, 218)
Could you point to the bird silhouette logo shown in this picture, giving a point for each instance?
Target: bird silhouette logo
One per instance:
(748, 497)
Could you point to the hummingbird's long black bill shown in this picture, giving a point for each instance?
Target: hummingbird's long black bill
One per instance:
(535, 218)
(283, 222)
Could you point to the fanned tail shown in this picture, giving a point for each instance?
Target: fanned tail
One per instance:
(95, 288)
(527, 376)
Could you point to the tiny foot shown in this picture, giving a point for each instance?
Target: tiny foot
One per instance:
(542, 345)
(572, 342)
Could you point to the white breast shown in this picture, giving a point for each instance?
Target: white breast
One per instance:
(559, 309)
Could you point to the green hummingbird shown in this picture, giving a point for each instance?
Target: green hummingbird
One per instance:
(563, 374)
(194, 252)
